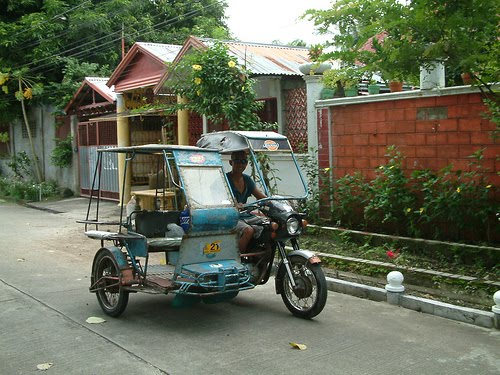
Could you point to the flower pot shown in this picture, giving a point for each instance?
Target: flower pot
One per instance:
(327, 93)
(373, 89)
(351, 91)
(395, 86)
(467, 78)
(314, 68)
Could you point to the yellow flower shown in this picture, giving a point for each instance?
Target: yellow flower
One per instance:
(197, 67)
(421, 210)
(198, 92)
(408, 210)
(326, 169)
(28, 94)
(231, 64)
(488, 186)
(392, 166)
(458, 190)
(197, 80)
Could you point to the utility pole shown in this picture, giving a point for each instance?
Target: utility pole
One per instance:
(123, 40)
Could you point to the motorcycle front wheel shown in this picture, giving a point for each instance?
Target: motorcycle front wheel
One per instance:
(308, 298)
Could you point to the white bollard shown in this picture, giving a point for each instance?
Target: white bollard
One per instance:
(496, 309)
(394, 287)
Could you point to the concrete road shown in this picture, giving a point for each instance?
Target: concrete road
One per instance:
(45, 262)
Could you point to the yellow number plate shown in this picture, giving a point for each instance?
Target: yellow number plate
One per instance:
(212, 248)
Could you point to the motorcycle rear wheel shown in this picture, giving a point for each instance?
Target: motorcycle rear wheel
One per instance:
(112, 297)
(309, 297)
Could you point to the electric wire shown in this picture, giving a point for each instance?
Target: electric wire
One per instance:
(60, 35)
(109, 42)
(171, 21)
(57, 16)
(168, 22)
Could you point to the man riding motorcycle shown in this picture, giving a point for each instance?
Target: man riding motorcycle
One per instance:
(242, 187)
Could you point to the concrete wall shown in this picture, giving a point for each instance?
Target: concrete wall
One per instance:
(44, 140)
(432, 128)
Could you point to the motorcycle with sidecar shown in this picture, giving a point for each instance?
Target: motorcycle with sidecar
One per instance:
(185, 242)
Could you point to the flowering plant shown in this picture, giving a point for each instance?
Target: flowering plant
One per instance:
(216, 86)
(315, 52)
(393, 254)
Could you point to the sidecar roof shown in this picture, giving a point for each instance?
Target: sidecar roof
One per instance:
(230, 141)
(151, 149)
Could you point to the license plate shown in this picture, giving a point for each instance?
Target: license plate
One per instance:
(212, 248)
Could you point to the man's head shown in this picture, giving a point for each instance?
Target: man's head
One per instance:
(239, 158)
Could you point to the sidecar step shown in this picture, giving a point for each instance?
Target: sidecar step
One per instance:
(161, 282)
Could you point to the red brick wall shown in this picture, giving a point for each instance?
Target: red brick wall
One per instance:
(432, 132)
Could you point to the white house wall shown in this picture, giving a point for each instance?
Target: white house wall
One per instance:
(270, 87)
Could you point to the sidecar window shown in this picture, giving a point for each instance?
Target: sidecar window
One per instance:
(206, 187)
(282, 176)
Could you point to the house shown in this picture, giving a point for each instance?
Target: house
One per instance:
(93, 98)
(138, 81)
(279, 83)
(96, 120)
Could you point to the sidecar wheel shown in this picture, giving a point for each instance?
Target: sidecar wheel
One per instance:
(112, 297)
(309, 298)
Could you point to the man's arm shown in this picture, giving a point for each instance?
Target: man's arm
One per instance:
(257, 193)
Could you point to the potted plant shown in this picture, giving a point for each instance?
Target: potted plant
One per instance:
(345, 80)
(373, 87)
(393, 79)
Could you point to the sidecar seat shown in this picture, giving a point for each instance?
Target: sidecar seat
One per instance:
(154, 226)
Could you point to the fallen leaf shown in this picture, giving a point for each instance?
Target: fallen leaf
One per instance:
(298, 346)
(95, 320)
(21, 260)
(44, 366)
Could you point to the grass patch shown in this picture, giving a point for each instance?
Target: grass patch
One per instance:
(480, 264)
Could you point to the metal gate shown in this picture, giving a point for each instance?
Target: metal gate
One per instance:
(91, 137)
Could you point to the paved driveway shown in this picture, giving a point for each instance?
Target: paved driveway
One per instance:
(45, 262)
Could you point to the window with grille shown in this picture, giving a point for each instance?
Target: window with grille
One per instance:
(4, 146)
(32, 125)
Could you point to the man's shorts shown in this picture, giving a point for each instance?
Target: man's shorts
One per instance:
(240, 227)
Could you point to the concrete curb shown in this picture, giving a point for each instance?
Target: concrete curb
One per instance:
(445, 310)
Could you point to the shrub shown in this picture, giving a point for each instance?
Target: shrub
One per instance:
(389, 196)
(28, 191)
(349, 201)
(62, 154)
(444, 205)
(21, 165)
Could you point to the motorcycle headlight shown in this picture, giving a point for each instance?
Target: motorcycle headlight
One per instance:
(292, 225)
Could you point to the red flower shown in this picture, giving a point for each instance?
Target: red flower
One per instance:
(393, 254)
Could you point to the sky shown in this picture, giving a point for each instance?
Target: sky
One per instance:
(264, 21)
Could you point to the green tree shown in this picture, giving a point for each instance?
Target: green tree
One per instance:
(404, 36)
(56, 43)
(24, 89)
(60, 41)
